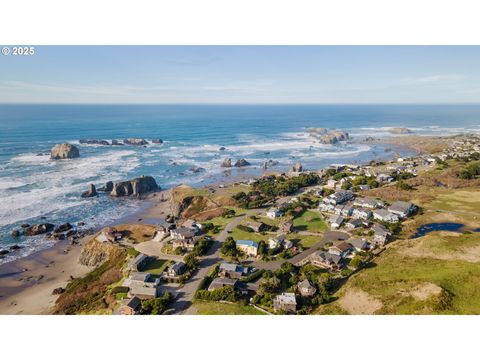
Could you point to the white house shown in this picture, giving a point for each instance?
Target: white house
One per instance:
(273, 213)
(384, 215)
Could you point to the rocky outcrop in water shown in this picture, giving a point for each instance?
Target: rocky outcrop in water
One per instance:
(227, 163)
(135, 141)
(15, 233)
(62, 228)
(242, 163)
(38, 229)
(157, 141)
(94, 142)
(108, 187)
(64, 151)
(135, 187)
(399, 131)
(116, 142)
(269, 163)
(91, 192)
(328, 136)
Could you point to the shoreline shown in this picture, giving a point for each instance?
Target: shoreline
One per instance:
(53, 267)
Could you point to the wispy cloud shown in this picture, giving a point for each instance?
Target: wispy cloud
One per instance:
(438, 78)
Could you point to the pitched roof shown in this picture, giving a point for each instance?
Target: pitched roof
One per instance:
(247, 243)
(401, 206)
(133, 302)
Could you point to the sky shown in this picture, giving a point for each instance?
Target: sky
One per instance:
(242, 74)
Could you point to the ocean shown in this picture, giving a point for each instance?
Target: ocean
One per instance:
(34, 188)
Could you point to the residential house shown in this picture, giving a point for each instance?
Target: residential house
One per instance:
(176, 269)
(182, 233)
(306, 289)
(232, 271)
(359, 244)
(286, 302)
(384, 178)
(336, 221)
(249, 247)
(384, 215)
(192, 225)
(186, 244)
(402, 208)
(131, 306)
(341, 249)
(361, 213)
(326, 207)
(287, 244)
(276, 242)
(142, 285)
(161, 233)
(353, 224)
(109, 234)
(256, 226)
(332, 184)
(273, 213)
(220, 282)
(326, 260)
(138, 263)
(381, 234)
(369, 203)
(347, 210)
(340, 197)
(286, 226)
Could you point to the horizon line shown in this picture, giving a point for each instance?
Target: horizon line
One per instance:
(240, 103)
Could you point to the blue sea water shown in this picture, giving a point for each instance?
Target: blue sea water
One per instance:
(34, 188)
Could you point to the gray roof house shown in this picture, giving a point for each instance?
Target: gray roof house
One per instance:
(384, 215)
(286, 302)
(305, 288)
(138, 262)
(220, 282)
(402, 208)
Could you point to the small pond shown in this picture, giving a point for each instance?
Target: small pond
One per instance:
(427, 228)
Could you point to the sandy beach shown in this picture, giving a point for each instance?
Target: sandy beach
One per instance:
(26, 284)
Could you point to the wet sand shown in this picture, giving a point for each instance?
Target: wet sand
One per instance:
(26, 284)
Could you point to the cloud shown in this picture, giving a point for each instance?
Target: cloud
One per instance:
(436, 78)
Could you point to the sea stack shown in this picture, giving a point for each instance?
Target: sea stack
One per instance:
(64, 151)
(242, 163)
(135, 187)
(227, 162)
(91, 192)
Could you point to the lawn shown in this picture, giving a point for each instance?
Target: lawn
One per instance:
(436, 261)
(305, 240)
(238, 234)
(310, 221)
(217, 308)
(156, 266)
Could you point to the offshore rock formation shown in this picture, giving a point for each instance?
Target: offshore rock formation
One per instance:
(135, 187)
(38, 229)
(399, 131)
(135, 141)
(297, 167)
(108, 187)
(241, 163)
(227, 163)
(327, 136)
(64, 151)
(91, 192)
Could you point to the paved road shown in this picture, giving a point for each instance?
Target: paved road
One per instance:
(329, 236)
(186, 293)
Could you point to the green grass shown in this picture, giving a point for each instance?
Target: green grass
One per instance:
(217, 308)
(238, 234)
(396, 273)
(305, 240)
(156, 266)
(310, 221)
